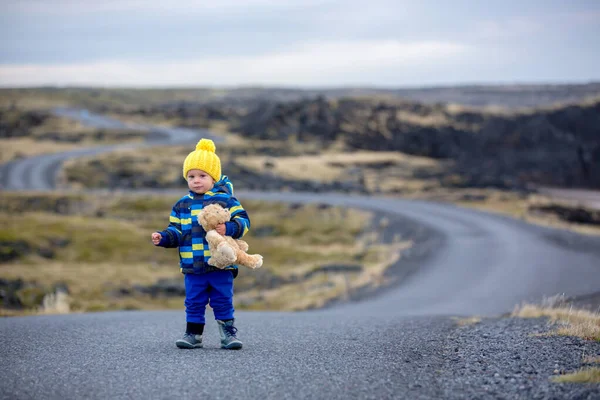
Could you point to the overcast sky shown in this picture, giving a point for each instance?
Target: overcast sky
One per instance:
(300, 43)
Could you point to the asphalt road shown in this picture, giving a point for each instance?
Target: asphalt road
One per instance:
(387, 346)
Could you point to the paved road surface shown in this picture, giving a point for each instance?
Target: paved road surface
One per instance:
(388, 346)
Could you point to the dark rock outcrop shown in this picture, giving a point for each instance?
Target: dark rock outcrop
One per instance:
(559, 146)
(18, 294)
(13, 249)
(575, 214)
(18, 123)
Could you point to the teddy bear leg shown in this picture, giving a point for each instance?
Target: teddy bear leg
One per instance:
(214, 239)
(221, 257)
(212, 261)
(242, 244)
(221, 253)
(249, 260)
(226, 252)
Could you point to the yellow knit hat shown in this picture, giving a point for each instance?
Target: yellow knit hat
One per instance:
(204, 158)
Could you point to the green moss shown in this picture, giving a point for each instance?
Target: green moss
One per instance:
(312, 224)
(88, 239)
(97, 307)
(31, 297)
(45, 202)
(142, 205)
(286, 257)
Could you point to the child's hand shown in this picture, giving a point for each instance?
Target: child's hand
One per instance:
(156, 237)
(220, 229)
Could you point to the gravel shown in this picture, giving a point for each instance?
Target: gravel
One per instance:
(506, 358)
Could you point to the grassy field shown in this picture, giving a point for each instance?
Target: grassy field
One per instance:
(98, 246)
(47, 98)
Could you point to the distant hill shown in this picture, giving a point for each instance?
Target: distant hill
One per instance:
(509, 96)
(504, 96)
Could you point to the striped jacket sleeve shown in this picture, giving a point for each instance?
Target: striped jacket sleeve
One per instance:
(239, 224)
(171, 237)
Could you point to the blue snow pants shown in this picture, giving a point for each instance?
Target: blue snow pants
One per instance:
(214, 288)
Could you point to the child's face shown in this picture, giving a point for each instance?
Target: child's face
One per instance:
(199, 181)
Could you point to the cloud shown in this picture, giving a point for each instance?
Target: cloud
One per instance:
(66, 7)
(578, 18)
(509, 29)
(517, 27)
(312, 64)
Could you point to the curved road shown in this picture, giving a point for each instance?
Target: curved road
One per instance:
(387, 346)
(40, 173)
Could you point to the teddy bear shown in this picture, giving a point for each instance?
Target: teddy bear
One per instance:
(225, 250)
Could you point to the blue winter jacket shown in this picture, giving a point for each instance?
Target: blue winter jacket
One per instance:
(185, 232)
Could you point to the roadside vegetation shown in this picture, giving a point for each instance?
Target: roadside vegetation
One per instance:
(467, 321)
(569, 321)
(584, 375)
(91, 252)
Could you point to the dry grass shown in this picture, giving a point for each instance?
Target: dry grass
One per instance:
(584, 375)
(513, 205)
(312, 293)
(30, 99)
(11, 149)
(455, 108)
(47, 98)
(95, 171)
(328, 167)
(322, 288)
(591, 360)
(217, 127)
(467, 321)
(572, 322)
(554, 221)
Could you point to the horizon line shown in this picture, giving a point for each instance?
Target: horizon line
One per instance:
(522, 84)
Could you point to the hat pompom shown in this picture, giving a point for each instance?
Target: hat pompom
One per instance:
(206, 145)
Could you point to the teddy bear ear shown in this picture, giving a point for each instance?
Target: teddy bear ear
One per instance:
(213, 203)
